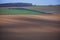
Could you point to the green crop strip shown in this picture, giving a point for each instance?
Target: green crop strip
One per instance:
(18, 12)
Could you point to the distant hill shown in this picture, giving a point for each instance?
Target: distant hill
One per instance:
(15, 4)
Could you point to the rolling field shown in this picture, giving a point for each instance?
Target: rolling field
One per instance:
(23, 24)
(29, 27)
(16, 11)
(13, 12)
(47, 9)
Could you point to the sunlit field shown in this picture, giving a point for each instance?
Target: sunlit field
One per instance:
(27, 24)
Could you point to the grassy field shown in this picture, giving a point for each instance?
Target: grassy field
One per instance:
(7, 11)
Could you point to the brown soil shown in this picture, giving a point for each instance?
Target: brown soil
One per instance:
(29, 27)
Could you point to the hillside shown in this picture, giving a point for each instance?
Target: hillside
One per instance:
(48, 9)
(15, 4)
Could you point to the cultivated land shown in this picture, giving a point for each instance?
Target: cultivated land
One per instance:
(29, 27)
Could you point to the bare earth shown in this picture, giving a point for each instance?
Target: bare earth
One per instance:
(29, 27)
